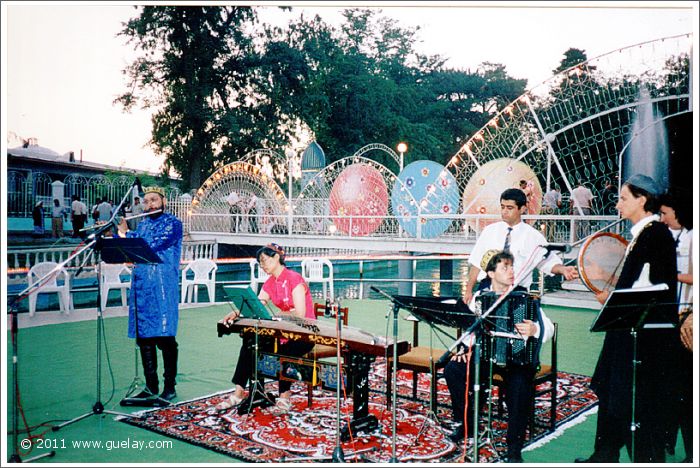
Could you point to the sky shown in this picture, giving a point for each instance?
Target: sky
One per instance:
(62, 63)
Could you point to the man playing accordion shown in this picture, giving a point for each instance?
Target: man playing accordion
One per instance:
(518, 376)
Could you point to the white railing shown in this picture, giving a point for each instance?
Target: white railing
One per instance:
(202, 249)
(555, 228)
(23, 259)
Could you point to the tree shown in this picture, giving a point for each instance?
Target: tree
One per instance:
(572, 57)
(221, 86)
(498, 89)
(366, 83)
(213, 89)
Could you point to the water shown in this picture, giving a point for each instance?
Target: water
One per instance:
(648, 151)
(347, 282)
(379, 273)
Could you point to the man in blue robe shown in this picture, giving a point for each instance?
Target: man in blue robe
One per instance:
(153, 308)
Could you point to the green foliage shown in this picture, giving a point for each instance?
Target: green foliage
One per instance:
(367, 84)
(572, 57)
(146, 178)
(221, 85)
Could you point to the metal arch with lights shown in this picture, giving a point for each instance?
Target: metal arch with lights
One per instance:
(242, 179)
(313, 201)
(379, 147)
(538, 127)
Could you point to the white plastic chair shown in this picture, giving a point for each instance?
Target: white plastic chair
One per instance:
(257, 275)
(38, 271)
(111, 279)
(313, 270)
(204, 271)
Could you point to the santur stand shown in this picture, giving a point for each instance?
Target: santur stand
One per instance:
(256, 388)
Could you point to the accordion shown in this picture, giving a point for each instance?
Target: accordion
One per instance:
(507, 346)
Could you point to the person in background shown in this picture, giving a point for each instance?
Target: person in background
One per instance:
(551, 204)
(78, 211)
(528, 188)
(38, 219)
(57, 213)
(675, 214)
(126, 210)
(650, 258)
(581, 201)
(136, 210)
(581, 197)
(155, 294)
(253, 213)
(104, 211)
(94, 211)
(289, 292)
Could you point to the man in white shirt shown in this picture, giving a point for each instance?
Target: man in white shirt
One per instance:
(137, 209)
(581, 203)
(78, 212)
(551, 201)
(520, 239)
(581, 197)
(105, 210)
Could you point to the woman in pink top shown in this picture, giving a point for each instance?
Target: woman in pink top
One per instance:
(288, 292)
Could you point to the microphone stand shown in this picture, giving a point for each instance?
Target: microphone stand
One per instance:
(30, 289)
(397, 305)
(15, 458)
(472, 331)
(98, 407)
(338, 455)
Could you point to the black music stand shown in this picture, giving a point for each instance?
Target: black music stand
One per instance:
(244, 299)
(447, 311)
(627, 310)
(424, 309)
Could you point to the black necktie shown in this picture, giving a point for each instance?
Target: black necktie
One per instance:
(506, 245)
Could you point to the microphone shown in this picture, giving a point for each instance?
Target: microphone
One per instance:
(566, 248)
(327, 311)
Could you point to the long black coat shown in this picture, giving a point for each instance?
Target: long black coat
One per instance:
(38, 215)
(656, 348)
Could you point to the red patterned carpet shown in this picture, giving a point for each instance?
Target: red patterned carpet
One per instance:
(309, 433)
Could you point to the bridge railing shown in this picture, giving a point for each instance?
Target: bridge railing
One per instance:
(555, 228)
